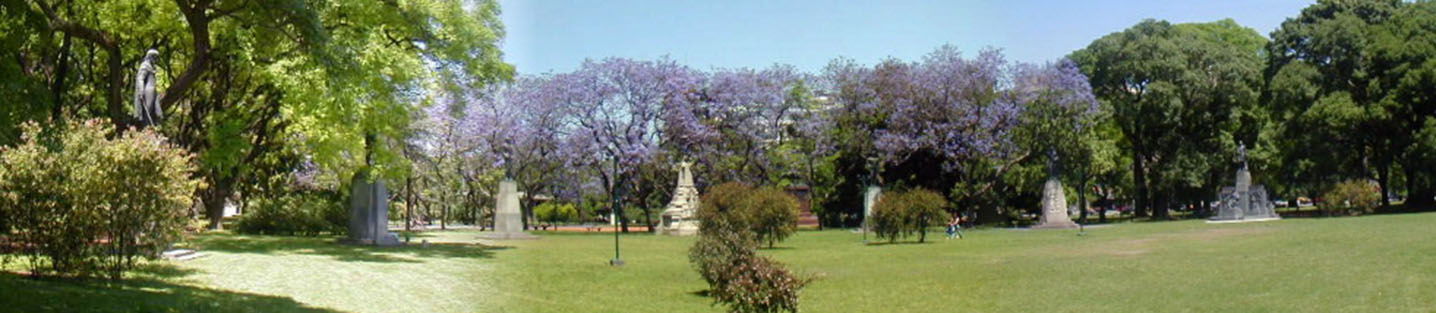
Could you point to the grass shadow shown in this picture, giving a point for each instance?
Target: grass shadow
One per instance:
(899, 243)
(164, 270)
(410, 253)
(24, 294)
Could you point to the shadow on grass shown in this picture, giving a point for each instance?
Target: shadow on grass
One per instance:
(22, 294)
(899, 243)
(411, 253)
(164, 270)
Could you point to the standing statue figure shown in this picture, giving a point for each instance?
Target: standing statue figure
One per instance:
(147, 106)
(1052, 162)
(1242, 154)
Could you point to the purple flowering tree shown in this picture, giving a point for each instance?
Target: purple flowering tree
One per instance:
(617, 109)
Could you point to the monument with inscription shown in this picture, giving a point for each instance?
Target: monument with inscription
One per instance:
(1054, 199)
(1244, 202)
(678, 218)
(369, 213)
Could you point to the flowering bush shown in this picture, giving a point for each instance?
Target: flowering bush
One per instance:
(80, 203)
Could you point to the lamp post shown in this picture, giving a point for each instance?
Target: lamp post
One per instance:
(617, 214)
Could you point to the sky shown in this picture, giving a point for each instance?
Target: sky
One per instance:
(558, 35)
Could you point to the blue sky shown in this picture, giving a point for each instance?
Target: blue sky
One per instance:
(557, 35)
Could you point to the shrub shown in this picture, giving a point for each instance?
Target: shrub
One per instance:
(554, 213)
(724, 254)
(1352, 197)
(300, 212)
(80, 203)
(772, 214)
(769, 213)
(903, 213)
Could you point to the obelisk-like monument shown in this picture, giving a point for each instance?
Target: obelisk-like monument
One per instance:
(678, 218)
(508, 219)
(1054, 199)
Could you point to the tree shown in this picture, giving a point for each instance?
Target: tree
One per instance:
(616, 107)
(902, 213)
(772, 214)
(1326, 85)
(1172, 90)
(253, 77)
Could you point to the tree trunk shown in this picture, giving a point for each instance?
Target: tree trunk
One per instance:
(1419, 191)
(1139, 182)
(57, 88)
(1159, 205)
(214, 198)
(1383, 173)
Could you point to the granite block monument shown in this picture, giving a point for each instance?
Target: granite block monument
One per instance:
(369, 213)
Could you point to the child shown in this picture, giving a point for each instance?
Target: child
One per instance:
(954, 227)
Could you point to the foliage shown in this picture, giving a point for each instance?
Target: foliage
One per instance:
(83, 204)
(1356, 196)
(902, 213)
(1179, 94)
(724, 254)
(304, 213)
(773, 214)
(556, 212)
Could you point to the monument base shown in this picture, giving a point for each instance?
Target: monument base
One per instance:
(679, 228)
(385, 241)
(507, 236)
(1054, 207)
(1242, 220)
(1056, 225)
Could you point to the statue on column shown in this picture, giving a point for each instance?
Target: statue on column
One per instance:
(147, 105)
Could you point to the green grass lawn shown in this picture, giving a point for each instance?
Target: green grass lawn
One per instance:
(1381, 263)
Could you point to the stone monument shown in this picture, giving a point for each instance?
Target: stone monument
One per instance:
(679, 218)
(508, 219)
(369, 213)
(1054, 199)
(870, 198)
(1244, 202)
(147, 106)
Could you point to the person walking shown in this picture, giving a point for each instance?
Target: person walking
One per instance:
(954, 227)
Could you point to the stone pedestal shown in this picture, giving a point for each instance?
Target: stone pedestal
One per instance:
(1244, 202)
(680, 217)
(870, 198)
(508, 219)
(369, 213)
(1054, 207)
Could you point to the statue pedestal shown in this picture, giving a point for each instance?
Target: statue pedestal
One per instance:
(870, 198)
(508, 219)
(1244, 202)
(369, 213)
(680, 218)
(1054, 207)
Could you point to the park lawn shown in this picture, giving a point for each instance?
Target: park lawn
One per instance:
(1383, 263)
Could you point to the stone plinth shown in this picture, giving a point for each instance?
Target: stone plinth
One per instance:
(870, 198)
(679, 218)
(1054, 207)
(1244, 202)
(508, 219)
(369, 213)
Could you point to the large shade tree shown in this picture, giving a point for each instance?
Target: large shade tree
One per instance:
(1176, 93)
(243, 78)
